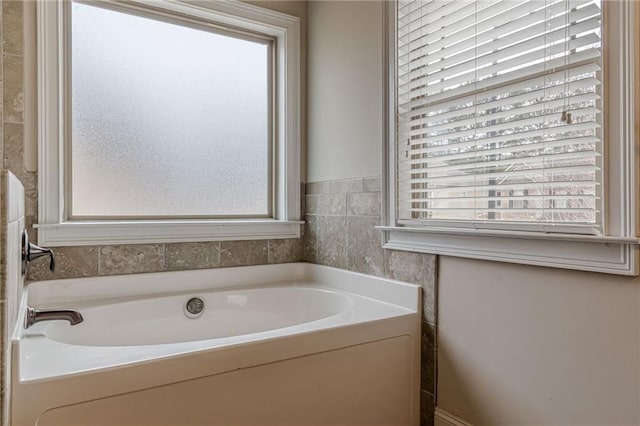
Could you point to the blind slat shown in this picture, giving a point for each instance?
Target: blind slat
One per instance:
(420, 139)
(428, 106)
(449, 11)
(587, 184)
(515, 198)
(513, 78)
(411, 27)
(466, 73)
(521, 161)
(512, 149)
(526, 173)
(484, 210)
(524, 112)
(502, 19)
(531, 97)
(515, 137)
(502, 37)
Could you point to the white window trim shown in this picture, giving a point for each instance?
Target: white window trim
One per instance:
(615, 252)
(55, 230)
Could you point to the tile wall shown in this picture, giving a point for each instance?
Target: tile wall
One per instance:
(74, 262)
(341, 216)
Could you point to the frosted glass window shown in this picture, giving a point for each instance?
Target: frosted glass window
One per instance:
(166, 119)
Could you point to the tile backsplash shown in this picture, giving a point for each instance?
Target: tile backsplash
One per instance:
(88, 261)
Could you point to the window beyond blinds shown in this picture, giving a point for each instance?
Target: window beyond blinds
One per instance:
(499, 112)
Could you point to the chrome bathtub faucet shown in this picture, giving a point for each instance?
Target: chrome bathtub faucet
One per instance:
(31, 252)
(34, 315)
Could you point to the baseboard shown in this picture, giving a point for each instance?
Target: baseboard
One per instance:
(444, 418)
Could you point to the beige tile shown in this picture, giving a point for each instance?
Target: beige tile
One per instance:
(405, 266)
(12, 139)
(332, 241)
(242, 253)
(200, 255)
(428, 358)
(311, 239)
(373, 184)
(71, 262)
(319, 187)
(334, 204)
(31, 202)
(4, 198)
(284, 251)
(13, 88)
(303, 200)
(346, 185)
(415, 268)
(364, 204)
(427, 409)
(430, 291)
(12, 32)
(131, 259)
(365, 253)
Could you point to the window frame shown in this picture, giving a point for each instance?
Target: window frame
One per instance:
(616, 251)
(56, 228)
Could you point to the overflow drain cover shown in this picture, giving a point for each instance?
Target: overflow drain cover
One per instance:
(194, 307)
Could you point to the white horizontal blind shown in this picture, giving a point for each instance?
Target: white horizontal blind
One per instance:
(499, 112)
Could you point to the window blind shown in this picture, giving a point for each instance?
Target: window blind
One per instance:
(499, 112)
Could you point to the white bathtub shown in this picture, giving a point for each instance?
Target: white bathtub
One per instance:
(276, 344)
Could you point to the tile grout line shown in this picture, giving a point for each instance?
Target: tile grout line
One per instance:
(14, 55)
(99, 260)
(12, 122)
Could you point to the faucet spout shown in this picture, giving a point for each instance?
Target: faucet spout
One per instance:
(34, 316)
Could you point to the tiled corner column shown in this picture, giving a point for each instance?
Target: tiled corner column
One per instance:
(341, 216)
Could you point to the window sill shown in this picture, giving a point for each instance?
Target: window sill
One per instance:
(83, 233)
(606, 254)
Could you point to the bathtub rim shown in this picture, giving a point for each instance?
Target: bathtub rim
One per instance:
(49, 292)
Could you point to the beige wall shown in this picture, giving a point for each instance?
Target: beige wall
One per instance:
(344, 86)
(528, 345)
